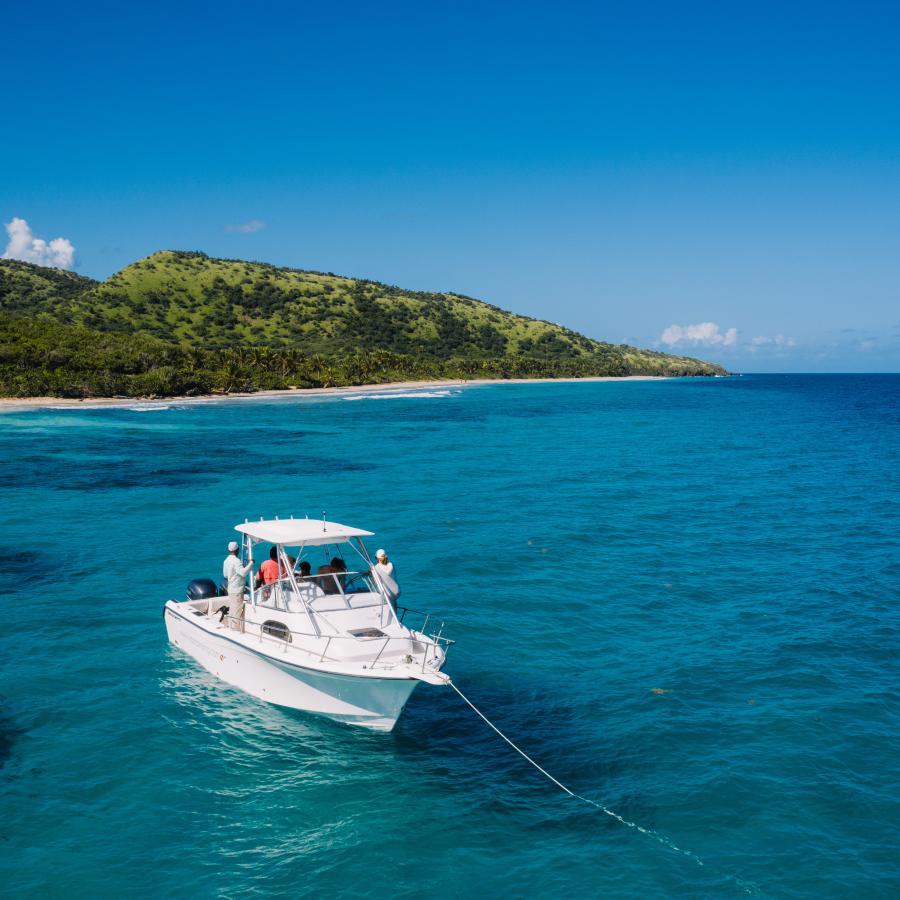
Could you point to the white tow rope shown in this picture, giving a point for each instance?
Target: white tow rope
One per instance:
(662, 839)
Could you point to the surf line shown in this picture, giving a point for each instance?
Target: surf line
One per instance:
(662, 839)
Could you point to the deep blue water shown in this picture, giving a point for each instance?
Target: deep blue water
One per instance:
(731, 543)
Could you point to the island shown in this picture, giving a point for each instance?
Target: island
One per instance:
(182, 323)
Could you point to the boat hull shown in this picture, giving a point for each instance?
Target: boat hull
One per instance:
(370, 702)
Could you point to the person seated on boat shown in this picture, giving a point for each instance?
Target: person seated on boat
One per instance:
(308, 585)
(269, 571)
(329, 584)
(236, 574)
(384, 570)
(340, 567)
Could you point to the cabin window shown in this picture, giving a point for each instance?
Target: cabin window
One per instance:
(276, 630)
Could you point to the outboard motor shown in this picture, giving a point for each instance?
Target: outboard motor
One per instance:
(202, 589)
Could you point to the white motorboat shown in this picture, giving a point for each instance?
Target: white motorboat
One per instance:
(332, 644)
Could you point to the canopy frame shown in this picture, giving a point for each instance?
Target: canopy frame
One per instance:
(302, 533)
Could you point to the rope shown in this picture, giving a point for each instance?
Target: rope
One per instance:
(662, 839)
(521, 752)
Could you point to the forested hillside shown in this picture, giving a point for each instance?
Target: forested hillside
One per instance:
(183, 323)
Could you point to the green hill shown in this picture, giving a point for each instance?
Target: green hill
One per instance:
(180, 322)
(29, 290)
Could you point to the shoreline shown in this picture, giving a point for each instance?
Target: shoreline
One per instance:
(10, 404)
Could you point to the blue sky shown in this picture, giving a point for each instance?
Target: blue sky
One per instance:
(713, 180)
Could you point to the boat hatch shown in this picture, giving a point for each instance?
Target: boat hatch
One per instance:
(366, 634)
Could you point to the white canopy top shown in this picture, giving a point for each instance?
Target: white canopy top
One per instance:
(295, 532)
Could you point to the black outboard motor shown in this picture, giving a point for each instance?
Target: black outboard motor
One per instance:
(202, 589)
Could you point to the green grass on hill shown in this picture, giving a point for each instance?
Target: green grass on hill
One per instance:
(177, 323)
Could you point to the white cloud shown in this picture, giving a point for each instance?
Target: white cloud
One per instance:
(58, 253)
(705, 334)
(778, 342)
(247, 227)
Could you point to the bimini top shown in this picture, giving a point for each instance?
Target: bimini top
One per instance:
(294, 532)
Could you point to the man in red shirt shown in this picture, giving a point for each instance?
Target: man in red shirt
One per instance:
(269, 570)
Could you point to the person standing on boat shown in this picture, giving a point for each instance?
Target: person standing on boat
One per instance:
(236, 576)
(384, 569)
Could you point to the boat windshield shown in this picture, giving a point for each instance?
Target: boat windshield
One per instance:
(340, 583)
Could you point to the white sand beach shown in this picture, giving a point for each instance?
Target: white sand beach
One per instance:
(8, 404)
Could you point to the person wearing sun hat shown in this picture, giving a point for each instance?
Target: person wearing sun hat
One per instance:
(384, 571)
(236, 576)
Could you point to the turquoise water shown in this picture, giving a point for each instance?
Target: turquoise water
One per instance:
(731, 543)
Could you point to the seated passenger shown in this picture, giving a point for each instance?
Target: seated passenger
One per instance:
(291, 560)
(269, 571)
(309, 586)
(341, 567)
(329, 584)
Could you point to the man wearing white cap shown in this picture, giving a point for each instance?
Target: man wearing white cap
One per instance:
(384, 570)
(236, 576)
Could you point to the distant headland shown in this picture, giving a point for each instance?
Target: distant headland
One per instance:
(185, 324)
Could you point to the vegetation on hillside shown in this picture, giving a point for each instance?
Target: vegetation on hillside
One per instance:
(182, 323)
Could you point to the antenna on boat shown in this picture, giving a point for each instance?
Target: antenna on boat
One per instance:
(324, 528)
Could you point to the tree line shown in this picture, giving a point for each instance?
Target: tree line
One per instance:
(43, 358)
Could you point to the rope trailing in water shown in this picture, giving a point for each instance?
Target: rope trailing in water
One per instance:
(648, 831)
(747, 887)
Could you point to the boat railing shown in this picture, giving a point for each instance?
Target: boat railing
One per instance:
(416, 615)
(422, 618)
(284, 636)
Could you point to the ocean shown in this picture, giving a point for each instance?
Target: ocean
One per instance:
(679, 597)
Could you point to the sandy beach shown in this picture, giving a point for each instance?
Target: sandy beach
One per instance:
(8, 404)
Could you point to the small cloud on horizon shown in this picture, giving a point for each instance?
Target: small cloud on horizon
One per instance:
(246, 227)
(24, 246)
(703, 334)
(710, 334)
(843, 349)
(778, 342)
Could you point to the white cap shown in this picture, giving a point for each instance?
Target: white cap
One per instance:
(232, 546)
(379, 554)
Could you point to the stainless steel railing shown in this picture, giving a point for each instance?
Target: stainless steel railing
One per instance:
(431, 644)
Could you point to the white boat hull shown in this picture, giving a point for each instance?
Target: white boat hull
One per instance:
(371, 702)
